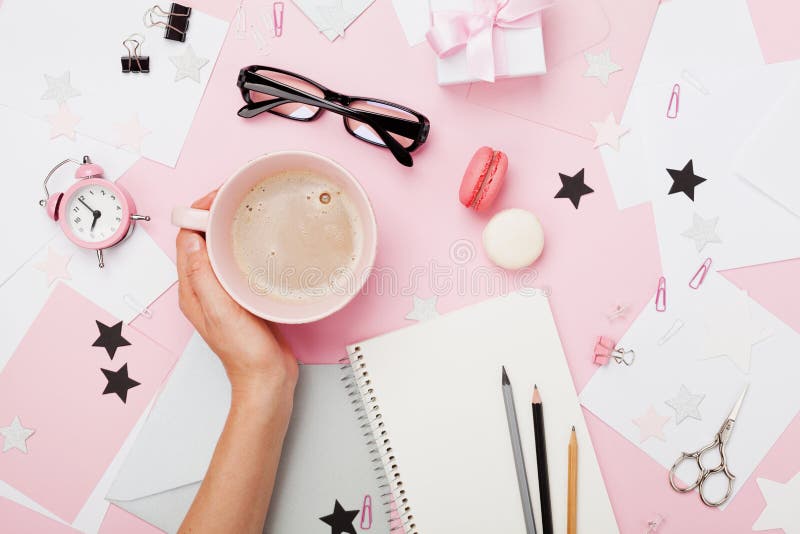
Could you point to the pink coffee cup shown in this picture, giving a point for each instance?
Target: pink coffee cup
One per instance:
(217, 224)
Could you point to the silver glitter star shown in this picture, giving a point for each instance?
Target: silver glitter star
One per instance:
(685, 405)
(15, 436)
(600, 66)
(59, 88)
(188, 65)
(424, 309)
(703, 232)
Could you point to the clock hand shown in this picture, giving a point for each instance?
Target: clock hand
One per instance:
(87, 205)
(95, 215)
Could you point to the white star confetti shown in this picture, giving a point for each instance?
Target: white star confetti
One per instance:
(15, 436)
(600, 66)
(731, 332)
(54, 266)
(685, 404)
(188, 65)
(781, 509)
(59, 88)
(424, 309)
(703, 232)
(608, 132)
(130, 134)
(63, 122)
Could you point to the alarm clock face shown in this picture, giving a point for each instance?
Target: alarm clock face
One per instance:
(96, 212)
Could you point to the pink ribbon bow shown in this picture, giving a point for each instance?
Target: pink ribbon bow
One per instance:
(453, 30)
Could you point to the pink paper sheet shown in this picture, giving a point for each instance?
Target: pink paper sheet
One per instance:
(594, 258)
(776, 23)
(563, 98)
(21, 520)
(54, 383)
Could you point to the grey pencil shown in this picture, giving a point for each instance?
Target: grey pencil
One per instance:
(519, 459)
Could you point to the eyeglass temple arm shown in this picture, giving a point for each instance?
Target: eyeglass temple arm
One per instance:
(404, 127)
(398, 151)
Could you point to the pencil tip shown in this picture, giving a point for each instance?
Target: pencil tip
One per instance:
(505, 377)
(573, 428)
(537, 399)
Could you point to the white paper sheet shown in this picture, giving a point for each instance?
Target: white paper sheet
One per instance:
(414, 17)
(86, 40)
(137, 271)
(28, 154)
(690, 39)
(752, 227)
(768, 159)
(618, 394)
(332, 17)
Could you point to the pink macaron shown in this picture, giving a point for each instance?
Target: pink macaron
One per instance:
(483, 178)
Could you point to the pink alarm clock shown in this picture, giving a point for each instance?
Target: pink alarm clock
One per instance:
(94, 213)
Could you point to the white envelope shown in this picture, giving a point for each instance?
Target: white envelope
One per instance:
(325, 456)
(768, 160)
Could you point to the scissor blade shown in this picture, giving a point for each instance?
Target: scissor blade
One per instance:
(735, 412)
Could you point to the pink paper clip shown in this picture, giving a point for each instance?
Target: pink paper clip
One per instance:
(674, 102)
(277, 18)
(605, 349)
(654, 524)
(366, 513)
(700, 275)
(661, 295)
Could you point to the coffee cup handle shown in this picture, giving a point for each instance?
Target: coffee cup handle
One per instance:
(190, 218)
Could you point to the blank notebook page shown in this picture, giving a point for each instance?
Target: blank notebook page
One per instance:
(438, 390)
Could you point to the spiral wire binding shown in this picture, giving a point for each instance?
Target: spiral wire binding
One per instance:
(358, 386)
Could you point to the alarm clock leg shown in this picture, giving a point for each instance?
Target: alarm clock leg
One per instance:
(100, 258)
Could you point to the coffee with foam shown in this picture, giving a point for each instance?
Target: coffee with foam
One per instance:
(296, 235)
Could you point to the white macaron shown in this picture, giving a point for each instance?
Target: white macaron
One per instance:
(513, 238)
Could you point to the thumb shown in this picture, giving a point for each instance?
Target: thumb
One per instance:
(195, 268)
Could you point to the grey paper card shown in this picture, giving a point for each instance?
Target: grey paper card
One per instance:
(325, 457)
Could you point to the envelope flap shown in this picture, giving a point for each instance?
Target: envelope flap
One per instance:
(572, 26)
(175, 446)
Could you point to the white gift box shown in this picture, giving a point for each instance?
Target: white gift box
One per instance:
(517, 52)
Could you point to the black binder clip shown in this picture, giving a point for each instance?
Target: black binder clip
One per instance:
(177, 23)
(134, 61)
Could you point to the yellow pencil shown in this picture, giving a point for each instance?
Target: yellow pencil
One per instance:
(572, 485)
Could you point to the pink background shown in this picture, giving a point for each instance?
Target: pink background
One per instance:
(595, 257)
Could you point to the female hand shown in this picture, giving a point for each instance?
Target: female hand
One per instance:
(254, 355)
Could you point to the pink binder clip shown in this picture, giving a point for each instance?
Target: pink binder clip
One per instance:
(277, 18)
(661, 295)
(674, 102)
(700, 275)
(366, 513)
(606, 349)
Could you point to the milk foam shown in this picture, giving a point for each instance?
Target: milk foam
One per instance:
(296, 235)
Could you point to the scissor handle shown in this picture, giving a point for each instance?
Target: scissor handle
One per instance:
(673, 470)
(704, 473)
(723, 468)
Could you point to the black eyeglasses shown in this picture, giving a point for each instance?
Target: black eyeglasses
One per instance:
(378, 122)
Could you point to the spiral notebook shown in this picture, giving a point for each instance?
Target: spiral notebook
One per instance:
(432, 395)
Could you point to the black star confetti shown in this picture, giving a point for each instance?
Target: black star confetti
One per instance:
(340, 520)
(685, 180)
(110, 338)
(573, 188)
(119, 382)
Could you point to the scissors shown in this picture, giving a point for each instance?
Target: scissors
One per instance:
(720, 440)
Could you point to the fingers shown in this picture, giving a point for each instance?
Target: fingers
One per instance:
(205, 202)
(194, 266)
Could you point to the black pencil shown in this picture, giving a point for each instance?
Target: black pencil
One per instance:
(541, 462)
